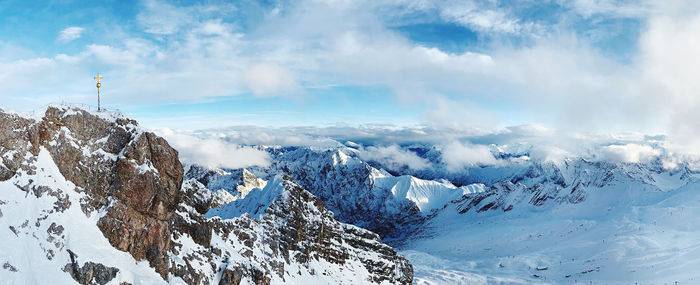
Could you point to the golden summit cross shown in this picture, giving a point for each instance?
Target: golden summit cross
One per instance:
(98, 77)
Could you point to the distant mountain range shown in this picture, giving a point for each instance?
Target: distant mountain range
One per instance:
(520, 220)
(92, 198)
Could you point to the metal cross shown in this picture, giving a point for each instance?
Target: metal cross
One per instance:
(98, 77)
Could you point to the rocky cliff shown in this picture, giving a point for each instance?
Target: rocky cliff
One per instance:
(295, 239)
(100, 200)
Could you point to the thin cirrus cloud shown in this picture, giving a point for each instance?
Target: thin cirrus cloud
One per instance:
(70, 33)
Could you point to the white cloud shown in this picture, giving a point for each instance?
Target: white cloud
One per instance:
(165, 19)
(630, 153)
(669, 61)
(389, 145)
(457, 155)
(393, 157)
(191, 54)
(255, 135)
(162, 18)
(549, 153)
(70, 33)
(266, 79)
(213, 152)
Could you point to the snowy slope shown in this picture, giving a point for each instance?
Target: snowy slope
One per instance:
(93, 199)
(41, 222)
(522, 221)
(254, 203)
(608, 223)
(646, 240)
(354, 190)
(427, 195)
(292, 239)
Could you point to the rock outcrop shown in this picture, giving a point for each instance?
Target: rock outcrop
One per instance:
(90, 272)
(146, 190)
(345, 185)
(129, 184)
(110, 159)
(299, 237)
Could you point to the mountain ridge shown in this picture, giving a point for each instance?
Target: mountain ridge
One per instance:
(91, 198)
(519, 225)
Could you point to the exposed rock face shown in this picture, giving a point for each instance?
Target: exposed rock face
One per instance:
(136, 174)
(85, 149)
(344, 185)
(543, 184)
(146, 189)
(90, 272)
(299, 236)
(329, 239)
(130, 183)
(16, 135)
(347, 189)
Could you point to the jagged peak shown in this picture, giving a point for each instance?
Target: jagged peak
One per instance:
(113, 116)
(65, 110)
(249, 182)
(143, 208)
(255, 201)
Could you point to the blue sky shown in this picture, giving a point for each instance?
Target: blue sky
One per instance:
(601, 65)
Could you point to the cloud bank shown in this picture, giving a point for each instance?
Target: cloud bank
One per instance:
(457, 155)
(629, 153)
(393, 157)
(213, 152)
(426, 149)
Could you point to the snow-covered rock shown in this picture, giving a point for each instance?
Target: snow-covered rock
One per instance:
(522, 221)
(291, 239)
(89, 197)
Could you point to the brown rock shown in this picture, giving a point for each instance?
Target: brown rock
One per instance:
(142, 236)
(148, 179)
(140, 171)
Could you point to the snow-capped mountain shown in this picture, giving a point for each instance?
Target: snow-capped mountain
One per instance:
(355, 191)
(94, 199)
(520, 221)
(603, 222)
